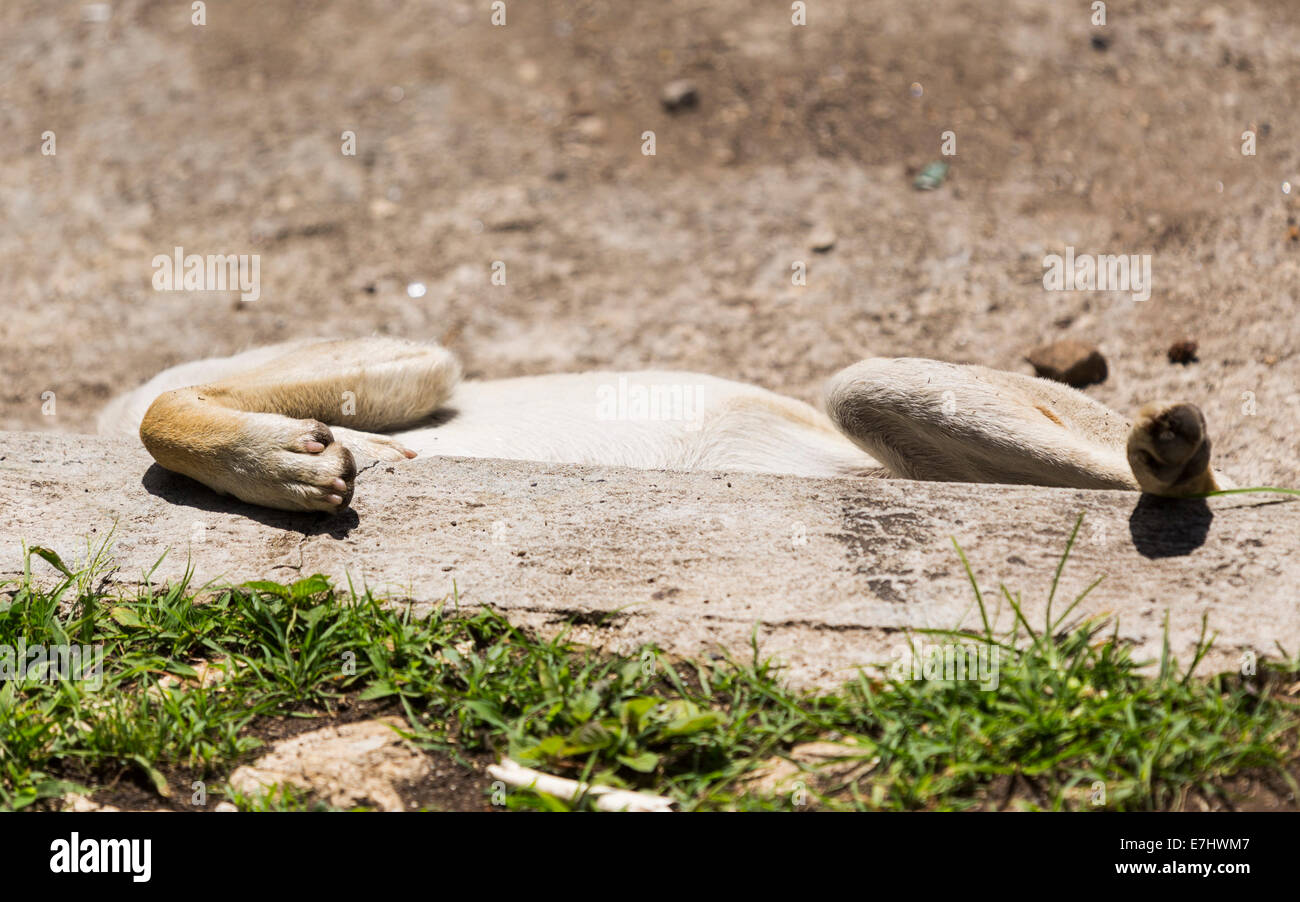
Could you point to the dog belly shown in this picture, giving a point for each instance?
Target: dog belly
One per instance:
(648, 420)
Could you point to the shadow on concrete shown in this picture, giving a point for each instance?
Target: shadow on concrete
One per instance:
(1169, 527)
(185, 492)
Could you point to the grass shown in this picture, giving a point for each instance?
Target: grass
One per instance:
(1072, 720)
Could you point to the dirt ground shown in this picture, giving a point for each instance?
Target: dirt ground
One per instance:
(523, 144)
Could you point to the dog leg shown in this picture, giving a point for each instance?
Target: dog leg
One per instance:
(929, 420)
(264, 435)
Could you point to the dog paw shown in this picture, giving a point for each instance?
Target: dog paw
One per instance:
(296, 465)
(372, 446)
(1169, 450)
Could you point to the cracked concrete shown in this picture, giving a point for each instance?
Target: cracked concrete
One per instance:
(522, 144)
(831, 574)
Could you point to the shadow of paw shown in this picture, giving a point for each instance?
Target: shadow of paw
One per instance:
(185, 492)
(1169, 527)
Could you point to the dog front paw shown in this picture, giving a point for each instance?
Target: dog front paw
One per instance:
(296, 465)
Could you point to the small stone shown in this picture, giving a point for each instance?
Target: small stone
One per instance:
(591, 127)
(822, 239)
(1072, 362)
(75, 802)
(1182, 351)
(225, 806)
(931, 177)
(344, 765)
(679, 95)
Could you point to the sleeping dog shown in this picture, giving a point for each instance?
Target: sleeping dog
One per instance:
(284, 426)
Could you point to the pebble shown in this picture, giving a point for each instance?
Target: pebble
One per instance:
(1183, 351)
(822, 239)
(931, 177)
(1072, 362)
(679, 95)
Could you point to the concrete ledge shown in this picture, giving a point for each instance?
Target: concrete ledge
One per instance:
(832, 572)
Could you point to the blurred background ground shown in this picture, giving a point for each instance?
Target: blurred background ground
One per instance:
(522, 143)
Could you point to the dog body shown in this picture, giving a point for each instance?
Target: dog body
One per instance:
(283, 426)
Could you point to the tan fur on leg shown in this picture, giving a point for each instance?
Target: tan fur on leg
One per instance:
(925, 419)
(264, 437)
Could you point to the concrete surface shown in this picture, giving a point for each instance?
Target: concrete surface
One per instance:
(832, 572)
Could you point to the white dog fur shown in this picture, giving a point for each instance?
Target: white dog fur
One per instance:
(280, 426)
